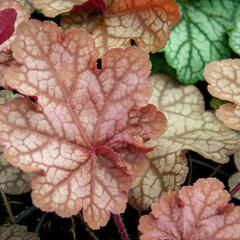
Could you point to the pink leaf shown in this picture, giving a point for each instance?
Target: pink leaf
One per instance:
(198, 212)
(7, 20)
(85, 136)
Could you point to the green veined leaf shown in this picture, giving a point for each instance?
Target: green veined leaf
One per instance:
(234, 35)
(199, 37)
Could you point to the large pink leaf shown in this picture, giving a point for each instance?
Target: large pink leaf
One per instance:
(147, 22)
(9, 22)
(86, 135)
(198, 212)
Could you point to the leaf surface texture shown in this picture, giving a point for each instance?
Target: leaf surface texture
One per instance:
(85, 136)
(189, 127)
(148, 23)
(198, 212)
(199, 37)
(224, 83)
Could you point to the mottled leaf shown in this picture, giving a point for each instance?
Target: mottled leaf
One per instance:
(147, 22)
(16, 232)
(52, 8)
(199, 37)
(234, 35)
(21, 16)
(85, 136)
(198, 212)
(189, 127)
(224, 83)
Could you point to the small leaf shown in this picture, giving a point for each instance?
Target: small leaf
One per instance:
(12, 23)
(52, 8)
(85, 135)
(198, 212)
(224, 83)
(215, 103)
(234, 35)
(189, 127)
(16, 232)
(147, 22)
(199, 37)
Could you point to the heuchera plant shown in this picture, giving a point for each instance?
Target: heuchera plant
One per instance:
(94, 131)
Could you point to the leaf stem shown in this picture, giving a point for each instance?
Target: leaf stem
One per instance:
(73, 229)
(26, 214)
(37, 229)
(235, 189)
(8, 206)
(209, 166)
(121, 226)
(190, 169)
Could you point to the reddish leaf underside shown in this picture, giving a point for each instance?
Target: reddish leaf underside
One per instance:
(198, 212)
(91, 4)
(11, 14)
(85, 136)
(7, 21)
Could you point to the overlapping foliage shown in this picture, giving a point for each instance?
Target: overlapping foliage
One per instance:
(99, 127)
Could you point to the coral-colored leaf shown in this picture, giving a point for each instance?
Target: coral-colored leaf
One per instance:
(17, 232)
(198, 212)
(6, 6)
(190, 127)
(7, 20)
(147, 22)
(224, 79)
(52, 8)
(87, 131)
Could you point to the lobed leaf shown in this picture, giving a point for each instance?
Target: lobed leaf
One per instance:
(199, 37)
(234, 35)
(189, 127)
(52, 8)
(85, 136)
(224, 82)
(198, 212)
(17, 232)
(10, 22)
(148, 23)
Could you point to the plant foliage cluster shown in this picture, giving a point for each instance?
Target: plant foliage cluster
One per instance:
(92, 124)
